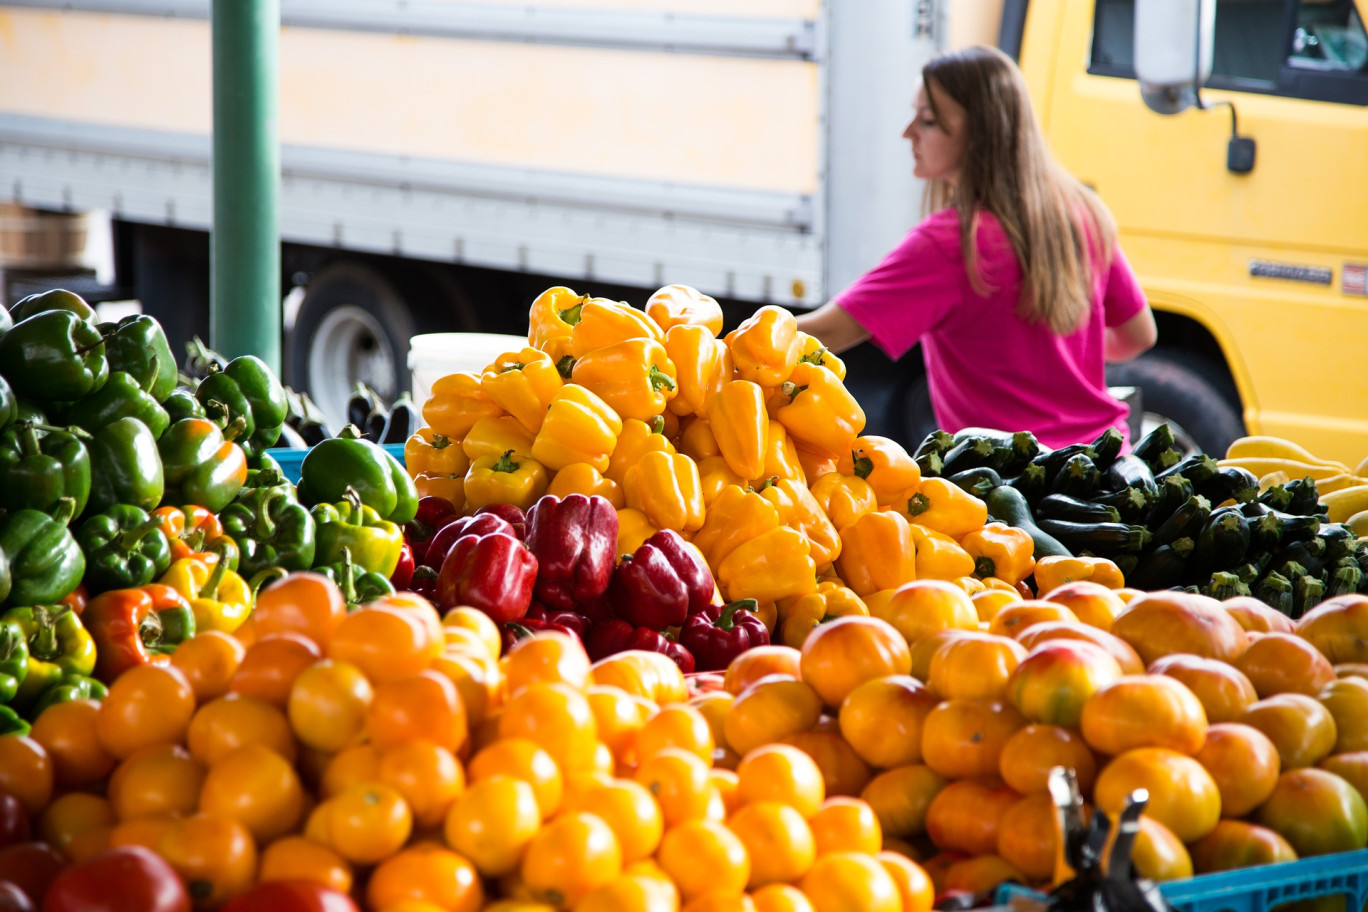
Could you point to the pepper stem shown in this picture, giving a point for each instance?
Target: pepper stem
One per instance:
(918, 504)
(235, 429)
(506, 463)
(566, 367)
(65, 510)
(28, 439)
(264, 578)
(347, 584)
(727, 619)
(265, 524)
(210, 588)
(513, 366)
(571, 315)
(984, 566)
(10, 638)
(657, 424)
(150, 629)
(659, 379)
(352, 497)
(131, 538)
(350, 432)
(440, 441)
(863, 464)
(43, 645)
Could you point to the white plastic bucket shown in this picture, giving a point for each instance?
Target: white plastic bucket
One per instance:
(434, 355)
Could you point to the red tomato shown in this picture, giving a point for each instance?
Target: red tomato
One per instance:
(128, 877)
(14, 820)
(291, 896)
(31, 866)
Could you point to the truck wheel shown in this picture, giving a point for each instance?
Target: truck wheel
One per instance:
(1189, 392)
(353, 325)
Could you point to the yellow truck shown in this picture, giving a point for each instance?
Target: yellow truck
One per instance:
(444, 161)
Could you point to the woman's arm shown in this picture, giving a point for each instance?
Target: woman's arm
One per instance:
(833, 327)
(1136, 335)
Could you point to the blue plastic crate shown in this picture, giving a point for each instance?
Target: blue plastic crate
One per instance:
(290, 460)
(1257, 889)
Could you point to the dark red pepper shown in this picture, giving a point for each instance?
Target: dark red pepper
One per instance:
(521, 629)
(679, 655)
(424, 582)
(575, 540)
(433, 513)
(509, 513)
(494, 573)
(402, 577)
(719, 634)
(661, 583)
(445, 537)
(617, 635)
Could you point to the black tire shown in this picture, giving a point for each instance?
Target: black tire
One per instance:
(1188, 391)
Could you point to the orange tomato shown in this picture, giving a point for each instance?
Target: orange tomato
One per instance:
(428, 776)
(558, 718)
(1182, 794)
(618, 716)
(842, 654)
(924, 606)
(1256, 617)
(680, 783)
(965, 816)
(305, 603)
(1352, 768)
(783, 898)
(1244, 764)
(1160, 623)
(1285, 663)
(1144, 711)
(1026, 836)
(214, 854)
(964, 738)
(1031, 752)
(882, 719)
(703, 856)
(988, 602)
(1345, 698)
(772, 707)
(425, 873)
(679, 725)
(979, 874)
(900, 797)
(148, 704)
(845, 824)
(66, 731)
(1223, 690)
(424, 705)
(778, 841)
(1317, 812)
(546, 657)
(492, 823)
(521, 758)
(778, 772)
(570, 856)
(234, 721)
(840, 881)
(272, 664)
(159, 779)
(761, 661)
(387, 643)
(350, 766)
(366, 823)
(477, 680)
(629, 809)
(843, 772)
(328, 703)
(646, 674)
(1092, 603)
(298, 858)
(1119, 649)
(209, 660)
(1018, 616)
(463, 616)
(631, 893)
(974, 666)
(1338, 627)
(1239, 844)
(914, 884)
(1157, 853)
(257, 787)
(1302, 728)
(1057, 678)
(72, 815)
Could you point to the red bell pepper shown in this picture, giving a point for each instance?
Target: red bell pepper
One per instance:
(424, 582)
(575, 540)
(617, 635)
(433, 513)
(719, 634)
(402, 577)
(661, 583)
(510, 513)
(494, 573)
(525, 627)
(139, 626)
(680, 655)
(483, 524)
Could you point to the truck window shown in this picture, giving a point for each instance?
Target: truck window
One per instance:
(1299, 48)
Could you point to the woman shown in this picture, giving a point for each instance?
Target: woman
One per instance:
(1014, 284)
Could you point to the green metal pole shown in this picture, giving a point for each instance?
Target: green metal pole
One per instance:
(244, 309)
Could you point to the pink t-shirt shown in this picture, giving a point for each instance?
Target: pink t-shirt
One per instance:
(987, 367)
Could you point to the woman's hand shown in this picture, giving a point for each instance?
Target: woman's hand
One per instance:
(1124, 342)
(833, 327)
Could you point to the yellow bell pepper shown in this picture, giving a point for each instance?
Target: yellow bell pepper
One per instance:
(428, 451)
(844, 498)
(1001, 551)
(666, 487)
(582, 478)
(944, 506)
(735, 516)
(522, 384)
(702, 366)
(1053, 571)
(800, 510)
(781, 456)
(507, 478)
(494, 436)
(684, 305)
(814, 464)
(885, 464)
(670, 425)
(447, 486)
(765, 346)
(633, 529)
(812, 351)
(634, 376)
(971, 585)
(877, 553)
(558, 350)
(219, 597)
(579, 427)
(715, 476)
(769, 567)
(697, 439)
(636, 440)
(821, 412)
(939, 556)
(739, 424)
(800, 615)
(456, 403)
(553, 315)
(603, 322)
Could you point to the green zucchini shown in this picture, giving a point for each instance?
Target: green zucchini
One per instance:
(977, 481)
(1062, 506)
(1309, 553)
(1107, 447)
(1339, 541)
(1265, 528)
(1133, 504)
(1053, 460)
(1307, 593)
(1030, 482)
(1103, 539)
(1150, 446)
(1223, 585)
(930, 464)
(1130, 472)
(1305, 499)
(938, 442)
(1163, 567)
(969, 453)
(1077, 478)
(1187, 520)
(1198, 468)
(1230, 483)
(1223, 541)
(1297, 526)
(1275, 591)
(1007, 504)
(1174, 491)
(1345, 578)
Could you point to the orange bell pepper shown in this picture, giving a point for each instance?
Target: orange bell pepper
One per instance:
(781, 455)
(494, 436)
(456, 403)
(715, 475)
(192, 531)
(603, 322)
(579, 427)
(813, 351)
(736, 515)
(449, 487)
(946, 507)
(800, 510)
(666, 487)
(683, 305)
(800, 615)
(522, 384)
(582, 478)
(765, 346)
(885, 464)
(702, 366)
(771, 566)
(697, 439)
(558, 350)
(844, 498)
(1053, 571)
(1001, 551)
(553, 315)
(814, 464)
(635, 377)
(821, 413)
(633, 528)
(877, 553)
(636, 440)
(506, 478)
(939, 556)
(739, 424)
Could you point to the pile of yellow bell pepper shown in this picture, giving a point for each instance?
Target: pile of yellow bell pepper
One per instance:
(748, 445)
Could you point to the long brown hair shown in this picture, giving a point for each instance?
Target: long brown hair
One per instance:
(1052, 221)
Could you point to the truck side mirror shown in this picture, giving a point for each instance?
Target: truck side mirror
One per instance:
(1173, 51)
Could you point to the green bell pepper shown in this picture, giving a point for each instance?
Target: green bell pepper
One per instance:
(264, 479)
(127, 466)
(54, 356)
(374, 542)
(203, 465)
(45, 562)
(40, 464)
(5, 579)
(350, 461)
(137, 344)
(58, 645)
(67, 688)
(11, 723)
(358, 584)
(28, 410)
(251, 391)
(181, 403)
(124, 548)
(120, 397)
(271, 529)
(14, 659)
(9, 403)
(56, 299)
